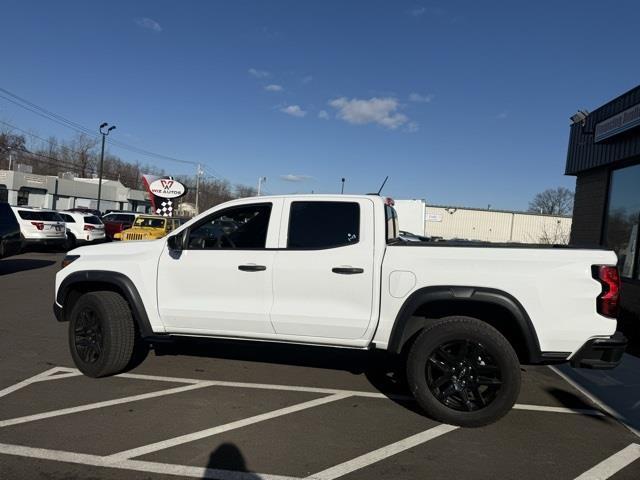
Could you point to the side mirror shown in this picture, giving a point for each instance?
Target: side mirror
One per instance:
(175, 242)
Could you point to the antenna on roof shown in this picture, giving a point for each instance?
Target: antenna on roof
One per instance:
(383, 183)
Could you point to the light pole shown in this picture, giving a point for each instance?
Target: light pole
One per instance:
(261, 180)
(104, 131)
(342, 189)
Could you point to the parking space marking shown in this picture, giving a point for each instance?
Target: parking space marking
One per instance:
(544, 408)
(381, 453)
(612, 465)
(135, 465)
(190, 437)
(46, 375)
(106, 403)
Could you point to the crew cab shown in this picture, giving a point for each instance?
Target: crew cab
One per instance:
(329, 270)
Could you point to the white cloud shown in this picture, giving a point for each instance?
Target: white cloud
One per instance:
(323, 114)
(418, 98)
(273, 88)
(418, 11)
(307, 79)
(294, 111)
(259, 73)
(382, 111)
(149, 24)
(502, 115)
(294, 178)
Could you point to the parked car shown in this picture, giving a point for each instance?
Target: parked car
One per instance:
(10, 237)
(82, 228)
(41, 227)
(148, 227)
(116, 222)
(329, 270)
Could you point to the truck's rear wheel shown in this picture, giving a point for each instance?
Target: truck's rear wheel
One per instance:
(101, 334)
(464, 372)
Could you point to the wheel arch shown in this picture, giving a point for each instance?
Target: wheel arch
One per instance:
(79, 283)
(496, 307)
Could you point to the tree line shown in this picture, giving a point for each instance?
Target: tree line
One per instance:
(80, 156)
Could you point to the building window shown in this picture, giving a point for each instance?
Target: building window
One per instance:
(23, 197)
(623, 215)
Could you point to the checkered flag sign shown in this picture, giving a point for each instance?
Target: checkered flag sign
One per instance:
(165, 209)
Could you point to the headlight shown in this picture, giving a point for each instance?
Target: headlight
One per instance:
(68, 259)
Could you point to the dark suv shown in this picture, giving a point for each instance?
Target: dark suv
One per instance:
(10, 237)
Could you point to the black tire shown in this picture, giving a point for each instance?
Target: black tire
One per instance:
(101, 334)
(462, 371)
(70, 244)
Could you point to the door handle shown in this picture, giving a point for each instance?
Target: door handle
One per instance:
(252, 268)
(347, 270)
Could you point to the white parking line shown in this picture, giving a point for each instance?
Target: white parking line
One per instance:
(25, 383)
(612, 465)
(172, 442)
(381, 453)
(544, 408)
(106, 403)
(135, 465)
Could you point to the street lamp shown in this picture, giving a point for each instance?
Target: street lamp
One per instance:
(104, 131)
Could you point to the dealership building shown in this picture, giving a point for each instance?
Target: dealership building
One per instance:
(604, 156)
(66, 191)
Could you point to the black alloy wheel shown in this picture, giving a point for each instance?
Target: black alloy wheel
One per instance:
(88, 336)
(463, 376)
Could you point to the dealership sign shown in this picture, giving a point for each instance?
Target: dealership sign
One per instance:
(618, 123)
(167, 188)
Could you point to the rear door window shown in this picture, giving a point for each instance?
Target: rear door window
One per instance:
(67, 218)
(318, 225)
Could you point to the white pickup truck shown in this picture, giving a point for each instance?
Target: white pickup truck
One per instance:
(330, 270)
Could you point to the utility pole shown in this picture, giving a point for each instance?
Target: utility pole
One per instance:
(342, 189)
(10, 157)
(104, 136)
(261, 180)
(198, 173)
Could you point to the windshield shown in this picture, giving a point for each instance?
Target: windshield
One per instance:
(150, 222)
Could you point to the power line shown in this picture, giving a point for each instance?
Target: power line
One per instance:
(59, 119)
(50, 142)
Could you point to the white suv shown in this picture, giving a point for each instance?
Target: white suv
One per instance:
(82, 228)
(41, 227)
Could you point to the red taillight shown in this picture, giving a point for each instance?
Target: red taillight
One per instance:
(89, 227)
(38, 225)
(609, 299)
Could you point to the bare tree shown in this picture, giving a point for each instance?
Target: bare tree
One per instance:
(243, 191)
(553, 201)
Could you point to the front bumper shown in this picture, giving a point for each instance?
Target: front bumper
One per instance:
(600, 353)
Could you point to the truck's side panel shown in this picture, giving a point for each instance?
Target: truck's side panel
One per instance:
(555, 287)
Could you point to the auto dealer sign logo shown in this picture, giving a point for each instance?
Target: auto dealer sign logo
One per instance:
(167, 188)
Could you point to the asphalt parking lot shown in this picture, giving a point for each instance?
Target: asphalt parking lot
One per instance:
(247, 411)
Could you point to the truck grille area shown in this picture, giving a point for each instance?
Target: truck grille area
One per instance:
(133, 236)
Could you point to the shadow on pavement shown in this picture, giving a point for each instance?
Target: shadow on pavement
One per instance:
(13, 265)
(228, 457)
(619, 388)
(571, 400)
(383, 370)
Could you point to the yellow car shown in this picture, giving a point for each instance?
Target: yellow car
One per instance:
(148, 227)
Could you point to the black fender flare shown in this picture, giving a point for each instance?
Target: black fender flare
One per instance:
(118, 281)
(405, 326)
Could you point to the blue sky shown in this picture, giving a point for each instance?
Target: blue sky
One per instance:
(463, 103)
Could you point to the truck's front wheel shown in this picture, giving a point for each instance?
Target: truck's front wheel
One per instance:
(464, 372)
(101, 334)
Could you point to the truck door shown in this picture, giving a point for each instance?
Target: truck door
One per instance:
(323, 271)
(221, 283)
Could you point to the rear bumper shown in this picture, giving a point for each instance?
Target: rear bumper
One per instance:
(600, 353)
(53, 242)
